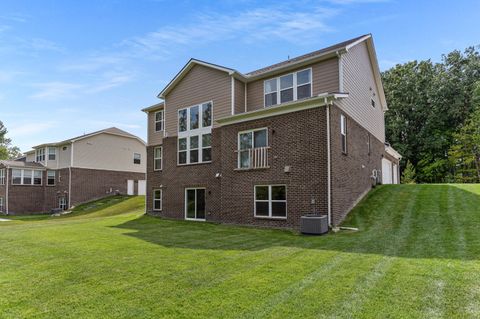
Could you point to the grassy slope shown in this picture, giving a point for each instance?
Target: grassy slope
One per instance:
(417, 255)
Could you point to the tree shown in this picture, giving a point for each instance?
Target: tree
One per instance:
(465, 151)
(7, 150)
(408, 175)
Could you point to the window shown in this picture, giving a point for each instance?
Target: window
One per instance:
(252, 152)
(1, 205)
(62, 203)
(157, 199)
(195, 203)
(159, 121)
(343, 133)
(369, 145)
(52, 153)
(50, 178)
(271, 201)
(2, 176)
(26, 177)
(372, 101)
(195, 134)
(287, 88)
(157, 158)
(137, 158)
(40, 155)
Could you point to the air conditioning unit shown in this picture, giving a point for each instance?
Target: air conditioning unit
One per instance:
(314, 224)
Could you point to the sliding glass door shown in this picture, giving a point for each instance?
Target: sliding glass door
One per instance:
(195, 203)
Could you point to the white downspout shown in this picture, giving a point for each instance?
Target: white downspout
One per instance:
(6, 190)
(70, 177)
(329, 169)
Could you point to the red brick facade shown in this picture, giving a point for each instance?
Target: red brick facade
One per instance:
(298, 140)
(87, 185)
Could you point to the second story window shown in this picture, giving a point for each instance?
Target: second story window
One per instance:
(159, 121)
(157, 158)
(343, 133)
(253, 149)
(287, 88)
(195, 134)
(52, 153)
(137, 158)
(40, 155)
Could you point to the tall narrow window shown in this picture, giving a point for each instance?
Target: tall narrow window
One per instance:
(50, 178)
(157, 158)
(137, 158)
(194, 134)
(159, 121)
(343, 133)
(157, 199)
(286, 88)
(27, 177)
(52, 153)
(40, 155)
(37, 177)
(369, 145)
(304, 84)
(2, 209)
(2, 176)
(270, 92)
(271, 201)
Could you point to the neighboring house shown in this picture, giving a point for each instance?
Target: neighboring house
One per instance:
(266, 147)
(70, 172)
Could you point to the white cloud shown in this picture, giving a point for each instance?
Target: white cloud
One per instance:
(29, 129)
(111, 81)
(56, 90)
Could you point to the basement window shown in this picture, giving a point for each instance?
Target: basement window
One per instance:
(271, 201)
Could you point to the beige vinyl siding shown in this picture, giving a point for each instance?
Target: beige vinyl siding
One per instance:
(325, 78)
(154, 138)
(109, 152)
(64, 155)
(30, 157)
(200, 84)
(359, 82)
(239, 97)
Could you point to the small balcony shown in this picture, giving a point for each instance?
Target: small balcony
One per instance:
(253, 158)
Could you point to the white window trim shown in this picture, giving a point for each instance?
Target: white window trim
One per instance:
(158, 158)
(343, 132)
(160, 199)
(140, 157)
(295, 87)
(200, 131)
(54, 153)
(54, 178)
(22, 175)
(40, 153)
(161, 121)
(2, 176)
(253, 142)
(186, 204)
(270, 201)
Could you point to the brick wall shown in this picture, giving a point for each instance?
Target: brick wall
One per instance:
(351, 172)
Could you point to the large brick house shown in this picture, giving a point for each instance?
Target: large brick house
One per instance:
(70, 172)
(266, 147)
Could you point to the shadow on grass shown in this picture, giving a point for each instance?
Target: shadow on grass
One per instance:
(412, 221)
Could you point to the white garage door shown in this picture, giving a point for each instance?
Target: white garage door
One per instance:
(386, 171)
(142, 187)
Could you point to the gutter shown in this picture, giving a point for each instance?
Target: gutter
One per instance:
(6, 190)
(70, 177)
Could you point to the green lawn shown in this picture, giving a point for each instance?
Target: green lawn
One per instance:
(417, 254)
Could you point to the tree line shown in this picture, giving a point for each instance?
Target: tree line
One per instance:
(434, 117)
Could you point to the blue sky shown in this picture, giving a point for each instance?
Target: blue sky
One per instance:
(69, 67)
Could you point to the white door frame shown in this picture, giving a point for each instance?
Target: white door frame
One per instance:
(186, 203)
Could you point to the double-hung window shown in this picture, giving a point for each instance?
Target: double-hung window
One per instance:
(343, 132)
(40, 155)
(26, 177)
(52, 153)
(157, 199)
(2, 176)
(287, 88)
(137, 158)
(253, 149)
(157, 158)
(50, 178)
(159, 121)
(271, 201)
(195, 134)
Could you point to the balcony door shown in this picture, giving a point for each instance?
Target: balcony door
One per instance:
(195, 204)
